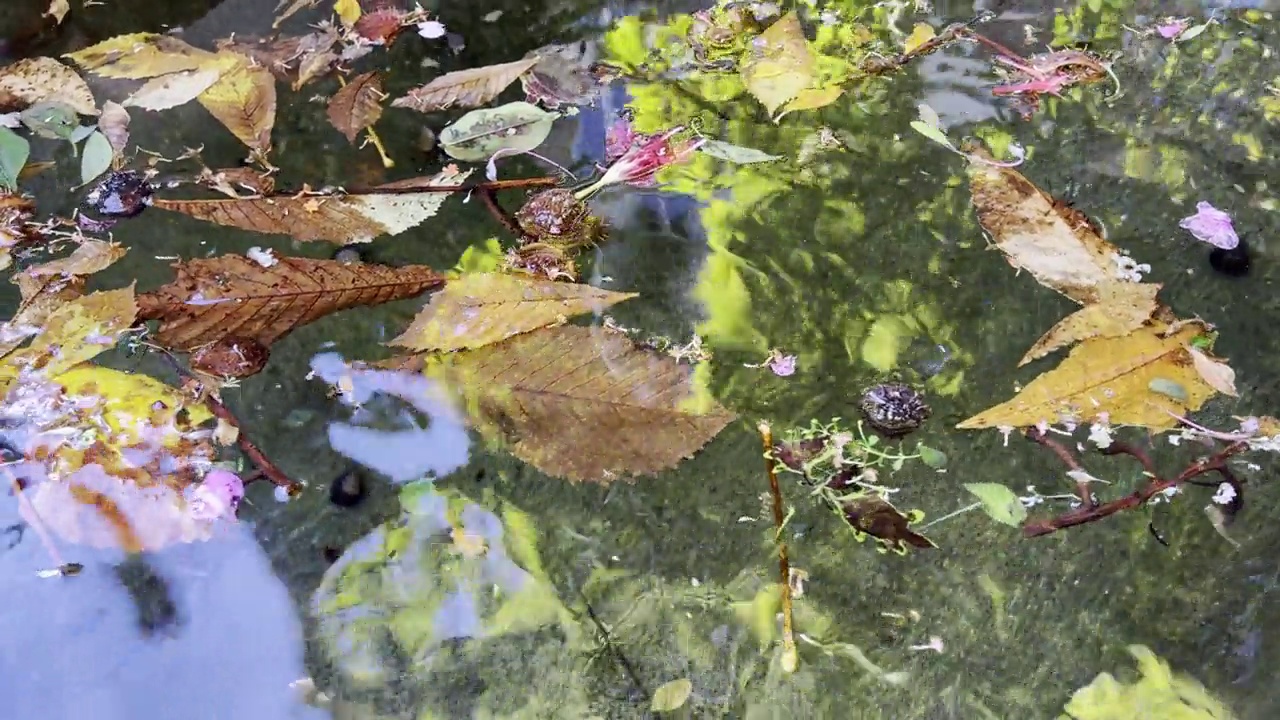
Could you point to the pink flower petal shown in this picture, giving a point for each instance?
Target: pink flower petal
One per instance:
(1211, 225)
(1173, 28)
(783, 365)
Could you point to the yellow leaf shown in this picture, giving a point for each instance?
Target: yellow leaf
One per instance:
(139, 56)
(921, 34)
(477, 310)
(778, 63)
(348, 11)
(1121, 308)
(1113, 376)
(131, 401)
(244, 100)
(75, 332)
(812, 99)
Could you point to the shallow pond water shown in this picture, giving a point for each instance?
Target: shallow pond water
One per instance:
(871, 267)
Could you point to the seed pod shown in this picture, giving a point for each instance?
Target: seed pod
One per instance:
(894, 409)
(232, 356)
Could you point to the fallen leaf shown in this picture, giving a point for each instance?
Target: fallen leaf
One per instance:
(480, 309)
(920, 34)
(563, 76)
(58, 10)
(43, 79)
(244, 100)
(1216, 373)
(357, 106)
(671, 696)
(114, 123)
(76, 331)
(1121, 307)
(778, 64)
(999, 502)
(139, 56)
(292, 59)
(167, 91)
(811, 99)
(582, 403)
(872, 514)
(514, 127)
(95, 157)
(92, 256)
(1110, 376)
(465, 88)
(232, 295)
(14, 151)
(342, 219)
(735, 153)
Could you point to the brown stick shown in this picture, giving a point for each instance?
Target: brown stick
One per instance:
(1069, 459)
(268, 468)
(790, 656)
(495, 209)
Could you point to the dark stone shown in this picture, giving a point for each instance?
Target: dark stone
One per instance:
(348, 490)
(1233, 262)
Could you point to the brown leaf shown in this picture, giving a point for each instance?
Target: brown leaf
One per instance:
(139, 56)
(342, 219)
(114, 124)
(91, 257)
(357, 106)
(465, 88)
(874, 515)
(584, 403)
(1121, 308)
(286, 56)
(232, 295)
(483, 308)
(244, 100)
(44, 79)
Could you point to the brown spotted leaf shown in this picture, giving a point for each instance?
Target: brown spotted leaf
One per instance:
(357, 106)
(342, 219)
(233, 295)
(483, 308)
(465, 88)
(584, 403)
(42, 79)
(244, 100)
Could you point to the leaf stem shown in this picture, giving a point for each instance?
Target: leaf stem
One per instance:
(790, 656)
(950, 515)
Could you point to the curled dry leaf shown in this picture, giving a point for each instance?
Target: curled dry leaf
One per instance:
(465, 88)
(357, 106)
(582, 403)
(1119, 377)
(484, 308)
(778, 64)
(1216, 373)
(114, 124)
(139, 56)
(342, 219)
(244, 100)
(43, 79)
(232, 295)
(167, 91)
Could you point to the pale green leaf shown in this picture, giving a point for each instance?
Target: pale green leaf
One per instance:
(933, 133)
(515, 127)
(935, 459)
(998, 501)
(672, 696)
(96, 158)
(14, 150)
(736, 153)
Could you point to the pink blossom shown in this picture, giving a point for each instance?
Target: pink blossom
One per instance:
(1211, 225)
(217, 496)
(638, 165)
(1172, 28)
(783, 365)
(619, 138)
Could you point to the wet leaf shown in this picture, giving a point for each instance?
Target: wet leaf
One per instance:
(174, 89)
(348, 11)
(233, 295)
(465, 88)
(14, 151)
(778, 64)
(95, 158)
(671, 696)
(78, 330)
(1121, 307)
(736, 153)
(244, 100)
(584, 404)
(935, 459)
(480, 309)
(42, 79)
(1157, 692)
(139, 56)
(920, 34)
(1216, 373)
(114, 123)
(515, 127)
(357, 106)
(51, 120)
(999, 502)
(92, 256)
(874, 515)
(1112, 376)
(342, 219)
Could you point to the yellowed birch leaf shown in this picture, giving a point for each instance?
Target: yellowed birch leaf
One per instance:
(479, 309)
(244, 100)
(778, 63)
(1121, 308)
(920, 34)
(140, 55)
(76, 331)
(348, 11)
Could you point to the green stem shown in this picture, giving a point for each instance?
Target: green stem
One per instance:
(948, 516)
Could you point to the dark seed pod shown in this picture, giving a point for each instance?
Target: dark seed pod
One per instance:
(894, 409)
(120, 194)
(1233, 262)
(232, 356)
(348, 490)
(556, 217)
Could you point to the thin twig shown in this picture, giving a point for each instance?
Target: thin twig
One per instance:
(268, 468)
(401, 188)
(608, 643)
(495, 209)
(790, 656)
(1069, 459)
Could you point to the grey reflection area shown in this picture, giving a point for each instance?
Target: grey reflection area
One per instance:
(202, 631)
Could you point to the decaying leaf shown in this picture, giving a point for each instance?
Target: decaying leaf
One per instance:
(295, 60)
(91, 257)
(357, 106)
(584, 404)
(872, 514)
(1216, 373)
(671, 696)
(485, 308)
(779, 64)
(337, 218)
(167, 91)
(1121, 307)
(139, 56)
(244, 100)
(76, 331)
(232, 295)
(562, 76)
(514, 127)
(114, 124)
(42, 79)
(465, 88)
(1112, 376)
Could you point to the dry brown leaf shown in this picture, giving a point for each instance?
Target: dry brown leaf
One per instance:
(91, 257)
(286, 57)
(244, 100)
(167, 91)
(484, 308)
(583, 403)
(1217, 374)
(343, 219)
(114, 124)
(44, 79)
(1112, 376)
(465, 88)
(1121, 307)
(232, 295)
(312, 66)
(357, 106)
(139, 56)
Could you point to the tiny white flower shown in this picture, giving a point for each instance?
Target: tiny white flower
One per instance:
(431, 29)
(265, 258)
(282, 494)
(1226, 493)
(1100, 435)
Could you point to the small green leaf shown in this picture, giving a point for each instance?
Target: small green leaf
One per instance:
(14, 150)
(672, 695)
(898, 462)
(1193, 32)
(51, 120)
(935, 459)
(515, 127)
(998, 501)
(933, 133)
(1168, 388)
(736, 153)
(96, 158)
